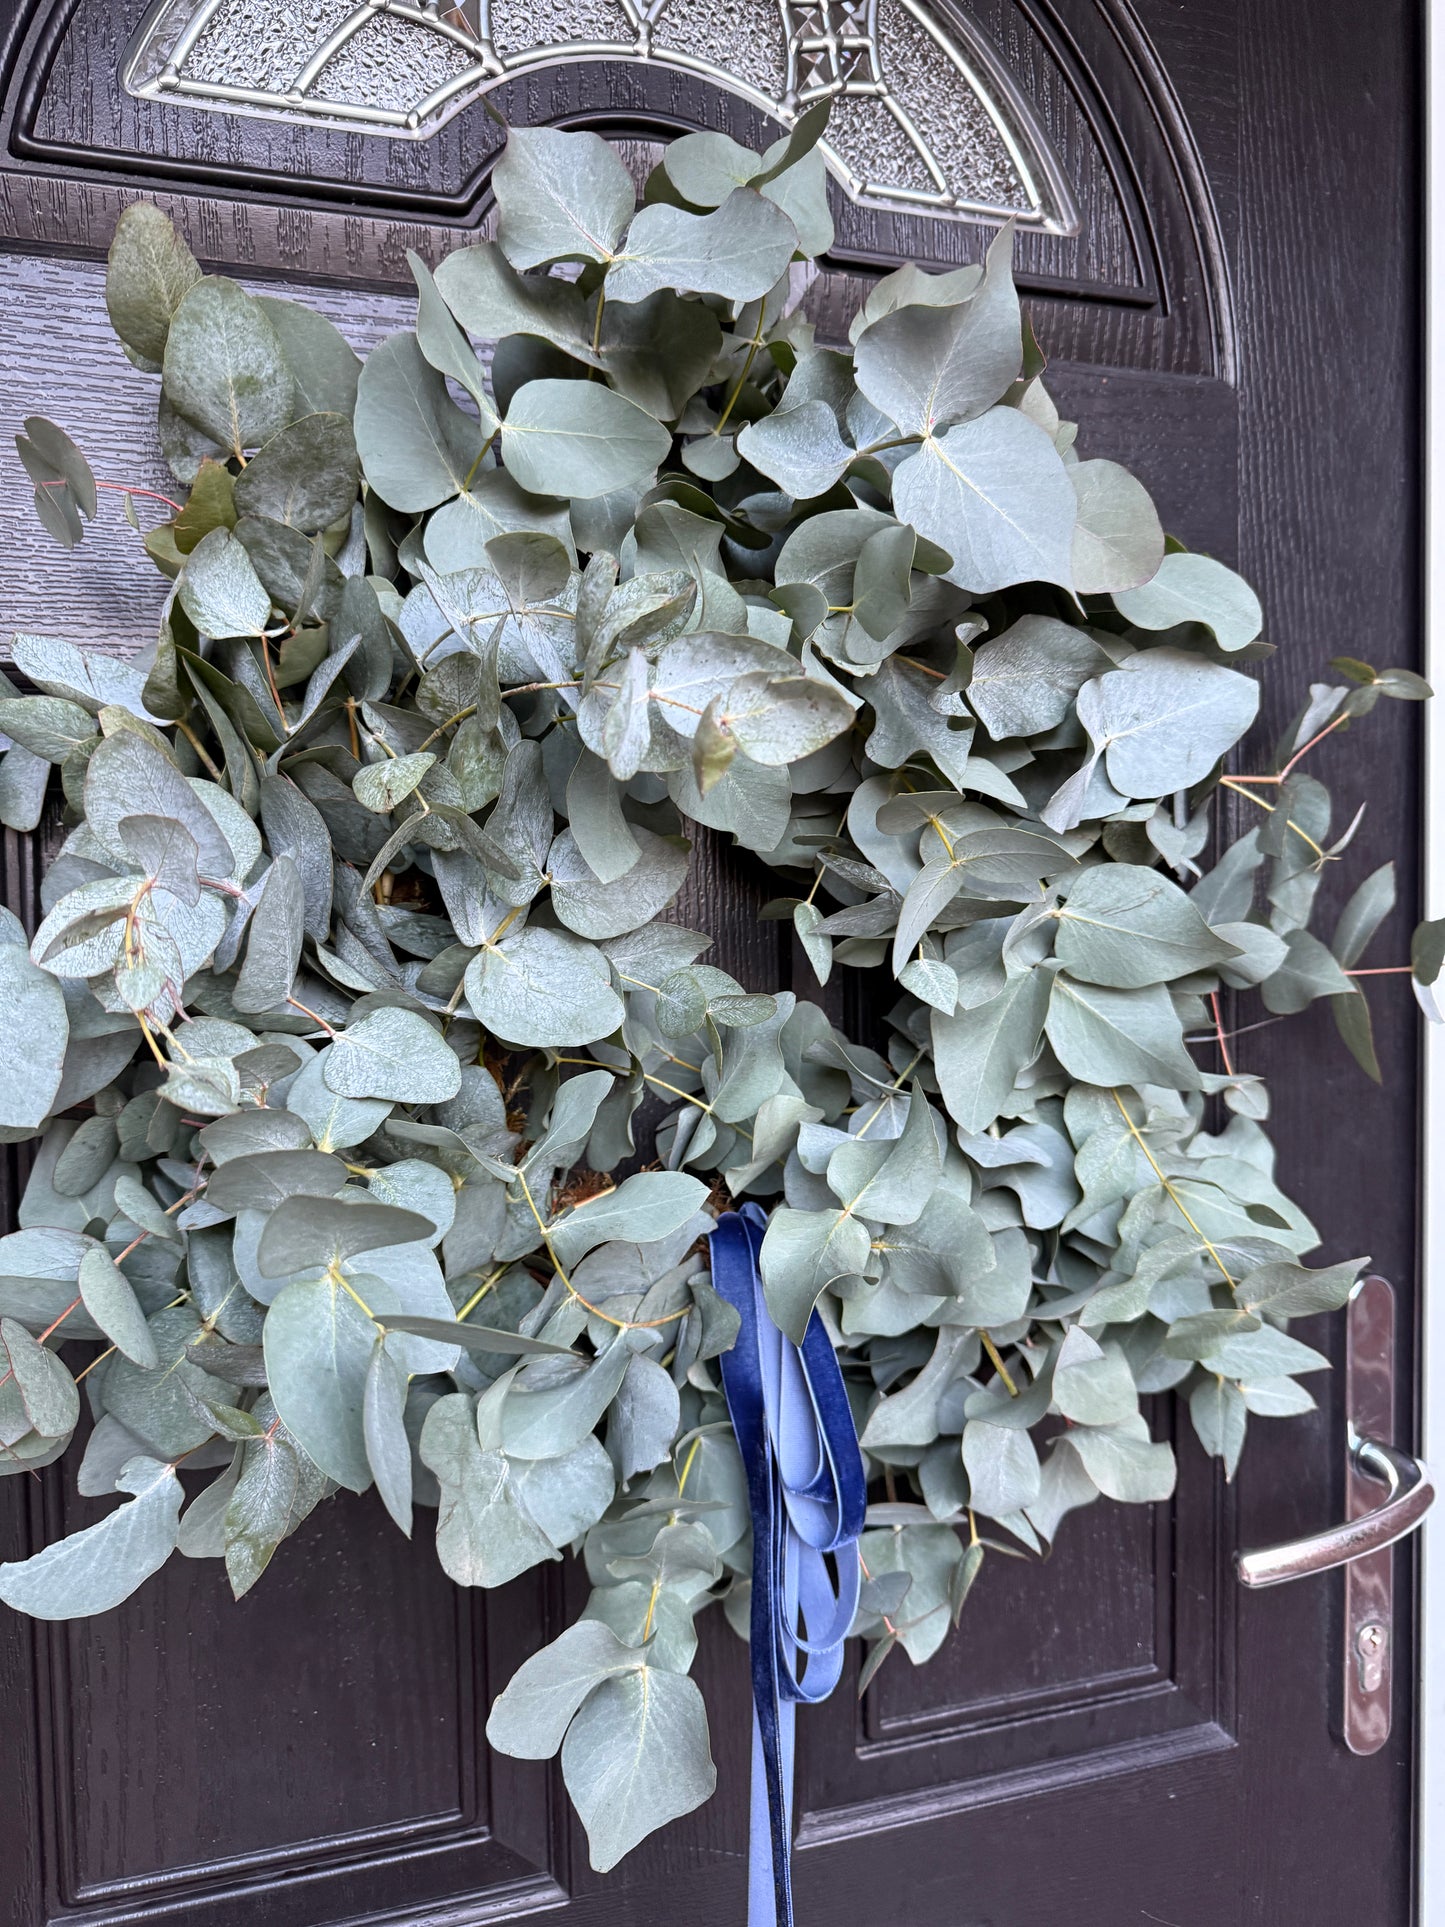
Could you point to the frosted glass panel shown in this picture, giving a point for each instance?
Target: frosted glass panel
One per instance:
(924, 117)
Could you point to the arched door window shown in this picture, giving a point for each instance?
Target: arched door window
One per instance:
(925, 118)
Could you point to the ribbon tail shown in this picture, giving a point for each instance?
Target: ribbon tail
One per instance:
(770, 1889)
(806, 1495)
(787, 1715)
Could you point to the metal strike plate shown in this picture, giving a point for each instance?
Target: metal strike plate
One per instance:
(1369, 1581)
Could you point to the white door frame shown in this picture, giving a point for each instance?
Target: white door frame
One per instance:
(1431, 1814)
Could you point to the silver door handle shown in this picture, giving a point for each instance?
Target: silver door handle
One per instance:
(1361, 1547)
(1410, 1493)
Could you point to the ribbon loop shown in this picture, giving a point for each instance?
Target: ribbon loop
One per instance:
(807, 1496)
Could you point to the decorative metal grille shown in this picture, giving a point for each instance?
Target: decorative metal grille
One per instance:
(924, 119)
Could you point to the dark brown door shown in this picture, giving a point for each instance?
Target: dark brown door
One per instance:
(1220, 238)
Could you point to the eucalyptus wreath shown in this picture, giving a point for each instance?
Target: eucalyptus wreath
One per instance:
(383, 1111)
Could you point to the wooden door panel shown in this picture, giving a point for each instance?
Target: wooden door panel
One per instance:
(1116, 1654)
(155, 1729)
(322, 1737)
(1106, 1637)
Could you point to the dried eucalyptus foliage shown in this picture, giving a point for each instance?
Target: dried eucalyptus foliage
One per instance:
(356, 970)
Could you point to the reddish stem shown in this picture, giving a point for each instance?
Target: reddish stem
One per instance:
(125, 488)
(1219, 1032)
(59, 1321)
(1304, 749)
(1318, 737)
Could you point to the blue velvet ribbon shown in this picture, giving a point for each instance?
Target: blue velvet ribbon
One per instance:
(807, 1496)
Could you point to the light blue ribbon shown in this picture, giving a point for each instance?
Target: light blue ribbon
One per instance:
(807, 1495)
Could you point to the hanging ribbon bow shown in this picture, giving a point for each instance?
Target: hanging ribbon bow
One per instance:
(807, 1496)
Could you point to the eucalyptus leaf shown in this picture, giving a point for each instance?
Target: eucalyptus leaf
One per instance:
(1118, 543)
(49, 727)
(1195, 588)
(417, 448)
(1164, 721)
(484, 1535)
(273, 948)
(596, 909)
(319, 1344)
(95, 1569)
(264, 1504)
(305, 476)
(635, 1757)
(220, 590)
(388, 1448)
(780, 720)
(1128, 927)
(1362, 916)
(335, 1122)
(562, 197)
(149, 273)
(396, 1055)
(643, 1208)
(491, 300)
(127, 776)
(306, 1231)
(1025, 680)
(1290, 1291)
(32, 1008)
(530, 1717)
(579, 439)
(739, 250)
(543, 986)
(323, 365)
(799, 448)
(928, 366)
(994, 495)
(110, 1299)
(95, 682)
(46, 1390)
(979, 1053)
(1108, 1037)
(260, 1180)
(223, 368)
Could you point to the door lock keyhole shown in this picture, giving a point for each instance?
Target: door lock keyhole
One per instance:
(1371, 1645)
